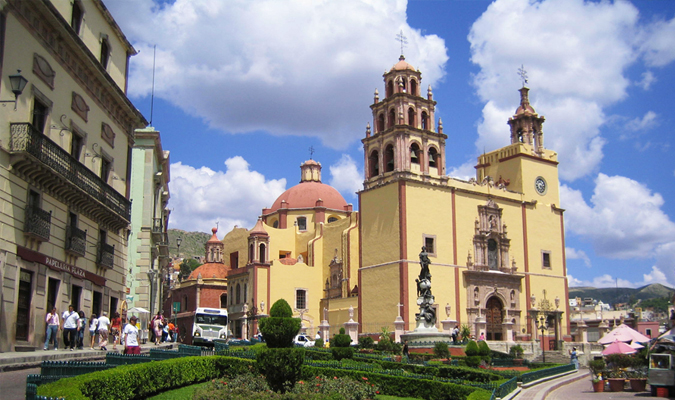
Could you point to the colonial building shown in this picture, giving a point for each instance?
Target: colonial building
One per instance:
(64, 163)
(496, 242)
(148, 242)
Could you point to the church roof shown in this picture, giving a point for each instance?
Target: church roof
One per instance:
(258, 229)
(525, 107)
(402, 65)
(210, 270)
(305, 195)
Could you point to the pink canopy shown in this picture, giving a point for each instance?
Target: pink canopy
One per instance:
(623, 333)
(618, 347)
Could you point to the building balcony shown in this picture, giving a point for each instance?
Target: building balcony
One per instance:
(106, 255)
(158, 230)
(163, 246)
(76, 241)
(40, 161)
(38, 223)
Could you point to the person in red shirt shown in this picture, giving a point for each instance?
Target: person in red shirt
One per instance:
(115, 329)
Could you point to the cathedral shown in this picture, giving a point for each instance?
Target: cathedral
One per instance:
(495, 242)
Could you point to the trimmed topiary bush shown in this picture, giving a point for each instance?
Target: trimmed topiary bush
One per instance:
(340, 353)
(318, 343)
(471, 349)
(441, 350)
(366, 342)
(472, 361)
(340, 346)
(280, 362)
(483, 349)
(280, 328)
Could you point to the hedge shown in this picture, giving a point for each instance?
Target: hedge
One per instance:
(464, 373)
(140, 381)
(400, 386)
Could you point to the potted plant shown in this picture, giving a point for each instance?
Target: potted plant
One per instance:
(617, 375)
(517, 353)
(616, 380)
(637, 379)
(596, 367)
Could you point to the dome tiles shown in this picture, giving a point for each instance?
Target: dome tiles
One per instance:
(210, 271)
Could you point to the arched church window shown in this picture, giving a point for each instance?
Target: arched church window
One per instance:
(223, 300)
(374, 164)
(413, 87)
(492, 254)
(415, 153)
(392, 118)
(433, 157)
(250, 253)
(275, 224)
(390, 88)
(411, 117)
(262, 252)
(389, 158)
(332, 219)
(425, 120)
(520, 137)
(404, 85)
(380, 122)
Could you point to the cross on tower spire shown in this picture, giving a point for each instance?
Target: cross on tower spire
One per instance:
(402, 39)
(523, 74)
(311, 152)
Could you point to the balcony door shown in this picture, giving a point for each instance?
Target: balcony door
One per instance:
(23, 304)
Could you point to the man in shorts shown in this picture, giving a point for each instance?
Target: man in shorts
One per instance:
(130, 335)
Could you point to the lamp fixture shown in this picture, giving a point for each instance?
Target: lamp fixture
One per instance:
(17, 82)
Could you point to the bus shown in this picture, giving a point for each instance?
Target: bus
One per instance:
(209, 324)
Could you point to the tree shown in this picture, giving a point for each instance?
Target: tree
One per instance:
(187, 266)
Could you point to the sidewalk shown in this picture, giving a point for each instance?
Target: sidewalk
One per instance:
(11, 361)
(542, 390)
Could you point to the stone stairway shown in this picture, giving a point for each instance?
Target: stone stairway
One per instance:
(553, 356)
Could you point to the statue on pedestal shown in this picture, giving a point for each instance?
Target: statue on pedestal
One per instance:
(424, 297)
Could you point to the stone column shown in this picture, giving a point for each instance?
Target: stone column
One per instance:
(324, 326)
(399, 325)
(480, 326)
(582, 331)
(352, 329)
(507, 331)
(448, 325)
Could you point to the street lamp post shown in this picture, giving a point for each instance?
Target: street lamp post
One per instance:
(542, 327)
(152, 275)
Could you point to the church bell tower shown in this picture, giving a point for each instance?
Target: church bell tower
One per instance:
(403, 141)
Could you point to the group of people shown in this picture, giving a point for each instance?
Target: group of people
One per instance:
(163, 330)
(75, 323)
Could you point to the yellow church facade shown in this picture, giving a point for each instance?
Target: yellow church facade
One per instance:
(495, 242)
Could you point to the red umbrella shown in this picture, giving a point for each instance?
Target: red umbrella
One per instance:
(618, 347)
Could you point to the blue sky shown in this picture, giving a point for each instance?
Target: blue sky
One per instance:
(244, 88)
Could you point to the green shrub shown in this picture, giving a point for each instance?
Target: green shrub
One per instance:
(516, 351)
(318, 343)
(471, 349)
(340, 353)
(473, 361)
(619, 361)
(281, 309)
(483, 349)
(342, 331)
(139, 381)
(366, 342)
(281, 367)
(341, 340)
(441, 350)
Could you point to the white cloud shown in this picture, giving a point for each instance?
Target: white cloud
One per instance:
(346, 177)
(574, 254)
(623, 220)
(607, 280)
(648, 79)
(464, 172)
(658, 45)
(201, 196)
(576, 54)
(289, 67)
(648, 121)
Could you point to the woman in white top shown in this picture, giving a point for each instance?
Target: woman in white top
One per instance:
(130, 334)
(93, 322)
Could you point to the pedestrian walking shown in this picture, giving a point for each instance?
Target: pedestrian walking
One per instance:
(81, 326)
(103, 326)
(405, 349)
(93, 327)
(130, 337)
(482, 337)
(53, 326)
(115, 329)
(574, 358)
(157, 327)
(65, 316)
(70, 326)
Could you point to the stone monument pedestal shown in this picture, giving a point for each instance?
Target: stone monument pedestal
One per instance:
(448, 325)
(323, 329)
(352, 328)
(399, 329)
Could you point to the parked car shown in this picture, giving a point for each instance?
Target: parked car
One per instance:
(303, 341)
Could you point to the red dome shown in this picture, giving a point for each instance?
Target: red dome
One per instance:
(210, 270)
(305, 195)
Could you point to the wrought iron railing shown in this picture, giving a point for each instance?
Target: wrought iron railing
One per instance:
(25, 138)
(38, 223)
(76, 240)
(543, 373)
(106, 255)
